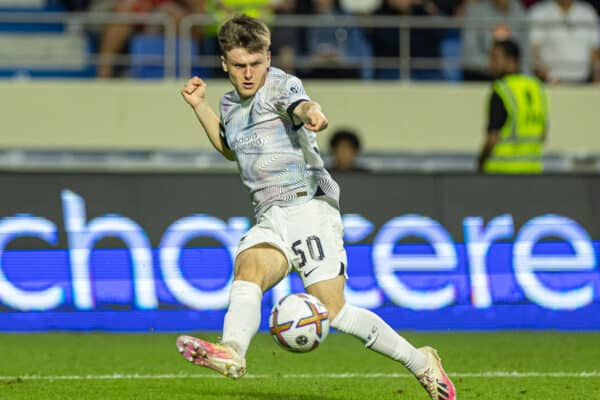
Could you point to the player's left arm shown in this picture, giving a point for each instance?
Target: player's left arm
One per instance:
(547, 120)
(311, 115)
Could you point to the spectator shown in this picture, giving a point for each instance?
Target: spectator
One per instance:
(336, 52)
(253, 8)
(454, 8)
(424, 43)
(517, 116)
(75, 5)
(528, 3)
(568, 50)
(223, 9)
(359, 7)
(478, 39)
(285, 41)
(344, 147)
(595, 4)
(115, 36)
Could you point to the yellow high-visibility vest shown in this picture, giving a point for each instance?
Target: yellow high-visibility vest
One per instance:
(519, 147)
(223, 9)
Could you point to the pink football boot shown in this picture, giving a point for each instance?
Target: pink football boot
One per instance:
(434, 379)
(218, 356)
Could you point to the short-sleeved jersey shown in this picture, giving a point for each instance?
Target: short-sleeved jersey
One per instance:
(279, 161)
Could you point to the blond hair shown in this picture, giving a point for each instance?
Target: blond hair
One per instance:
(245, 32)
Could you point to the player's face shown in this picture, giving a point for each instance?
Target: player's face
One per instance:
(247, 71)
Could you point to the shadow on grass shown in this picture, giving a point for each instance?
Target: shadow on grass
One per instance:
(12, 381)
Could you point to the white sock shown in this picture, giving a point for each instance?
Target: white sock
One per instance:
(379, 336)
(243, 315)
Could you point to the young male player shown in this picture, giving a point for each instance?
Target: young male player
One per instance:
(268, 126)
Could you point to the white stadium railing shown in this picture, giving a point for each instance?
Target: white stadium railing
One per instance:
(82, 22)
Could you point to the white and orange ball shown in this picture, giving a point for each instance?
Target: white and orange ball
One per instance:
(299, 322)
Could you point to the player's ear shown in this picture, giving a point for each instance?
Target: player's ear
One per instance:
(224, 64)
(268, 59)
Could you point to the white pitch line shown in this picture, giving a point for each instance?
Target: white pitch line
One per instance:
(484, 374)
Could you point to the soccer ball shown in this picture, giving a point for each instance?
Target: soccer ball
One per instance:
(299, 322)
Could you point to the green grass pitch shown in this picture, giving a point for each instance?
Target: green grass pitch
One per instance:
(486, 366)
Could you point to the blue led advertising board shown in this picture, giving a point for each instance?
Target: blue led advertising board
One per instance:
(57, 272)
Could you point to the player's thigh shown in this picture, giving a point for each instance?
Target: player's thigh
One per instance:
(262, 256)
(315, 235)
(263, 264)
(331, 294)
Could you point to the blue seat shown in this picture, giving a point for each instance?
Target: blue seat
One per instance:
(147, 56)
(450, 50)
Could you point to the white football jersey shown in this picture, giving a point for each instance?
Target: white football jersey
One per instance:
(279, 162)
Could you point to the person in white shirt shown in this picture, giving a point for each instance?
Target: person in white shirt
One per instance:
(565, 41)
(478, 41)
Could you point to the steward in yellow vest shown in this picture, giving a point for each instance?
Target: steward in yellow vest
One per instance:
(517, 119)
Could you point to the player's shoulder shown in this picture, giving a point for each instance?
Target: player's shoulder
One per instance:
(543, 9)
(585, 11)
(277, 75)
(538, 8)
(228, 100)
(276, 78)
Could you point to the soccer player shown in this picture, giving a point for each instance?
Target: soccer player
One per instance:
(267, 125)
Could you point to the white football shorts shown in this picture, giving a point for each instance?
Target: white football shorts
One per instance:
(310, 235)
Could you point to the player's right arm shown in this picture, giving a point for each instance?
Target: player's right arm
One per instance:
(194, 93)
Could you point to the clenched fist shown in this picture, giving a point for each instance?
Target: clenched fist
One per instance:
(315, 120)
(194, 91)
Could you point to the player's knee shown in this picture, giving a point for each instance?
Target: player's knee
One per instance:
(250, 273)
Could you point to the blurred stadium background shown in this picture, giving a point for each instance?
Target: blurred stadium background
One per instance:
(116, 216)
